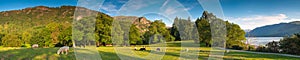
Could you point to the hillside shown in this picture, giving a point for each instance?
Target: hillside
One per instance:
(41, 15)
(276, 30)
(40, 24)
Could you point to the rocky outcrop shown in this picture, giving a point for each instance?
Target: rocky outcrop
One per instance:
(140, 22)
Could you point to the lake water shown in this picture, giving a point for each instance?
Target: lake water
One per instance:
(262, 40)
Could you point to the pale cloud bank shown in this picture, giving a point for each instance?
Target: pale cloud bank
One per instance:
(252, 22)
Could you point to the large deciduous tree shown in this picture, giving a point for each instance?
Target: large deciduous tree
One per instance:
(157, 28)
(235, 35)
(135, 35)
(103, 29)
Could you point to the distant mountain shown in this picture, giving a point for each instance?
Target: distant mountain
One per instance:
(247, 30)
(276, 30)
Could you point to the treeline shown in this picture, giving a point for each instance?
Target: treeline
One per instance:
(200, 31)
(50, 35)
(182, 29)
(288, 45)
(50, 32)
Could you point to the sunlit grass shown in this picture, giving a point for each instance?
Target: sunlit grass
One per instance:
(172, 52)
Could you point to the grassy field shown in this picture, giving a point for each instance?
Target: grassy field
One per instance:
(172, 52)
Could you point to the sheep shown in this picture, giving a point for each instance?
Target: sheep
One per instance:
(157, 49)
(35, 46)
(186, 50)
(135, 48)
(63, 50)
(143, 48)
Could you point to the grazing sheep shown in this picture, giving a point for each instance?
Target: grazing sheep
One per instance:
(157, 49)
(227, 51)
(63, 49)
(35, 46)
(143, 48)
(135, 48)
(186, 50)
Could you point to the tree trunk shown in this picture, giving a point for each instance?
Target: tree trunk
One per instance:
(103, 43)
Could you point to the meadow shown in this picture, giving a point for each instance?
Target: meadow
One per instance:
(172, 52)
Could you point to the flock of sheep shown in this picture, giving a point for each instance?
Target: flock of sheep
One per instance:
(62, 50)
(65, 49)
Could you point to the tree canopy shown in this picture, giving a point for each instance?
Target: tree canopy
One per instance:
(55, 27)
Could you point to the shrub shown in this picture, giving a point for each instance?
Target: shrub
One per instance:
(261, 49)
(291, 44)
(237, 47)
(273, 47)
(249, 47)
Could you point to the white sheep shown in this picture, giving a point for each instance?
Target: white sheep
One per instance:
(63, 49)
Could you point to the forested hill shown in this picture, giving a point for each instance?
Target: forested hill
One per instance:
(40, 15)
(53, 27)
(46, 26)
(276, 30)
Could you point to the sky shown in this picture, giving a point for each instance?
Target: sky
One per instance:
(249, 14)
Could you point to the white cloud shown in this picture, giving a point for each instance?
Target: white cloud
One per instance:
(122, 1)
(136, 4)
(170, 11)
(188, 8)
(165, 3)
(252, 22)
(110, 8)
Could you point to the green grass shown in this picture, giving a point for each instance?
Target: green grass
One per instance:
(33, 54)
(172, 52)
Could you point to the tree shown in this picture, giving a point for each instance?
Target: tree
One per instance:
(135, 35)
(103, 28)
(273, 47)
(55, 28)
(184, 28)
(11, 40)
(117, 35)
(291, 44)
(26, 36)
(41, 36)
(174, 30)
(1, 34)
(65, 37)
(157, 27)
(85, 28)
(10, 35)
(235, 35)
(204, 31)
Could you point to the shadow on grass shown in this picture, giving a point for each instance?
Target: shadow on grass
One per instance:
(177, 54)
(87, 54)
(258, 56)
(114, 56)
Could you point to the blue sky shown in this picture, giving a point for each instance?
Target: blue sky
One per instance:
(249, 14)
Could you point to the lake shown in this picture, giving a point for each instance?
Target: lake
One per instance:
(262, 40)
